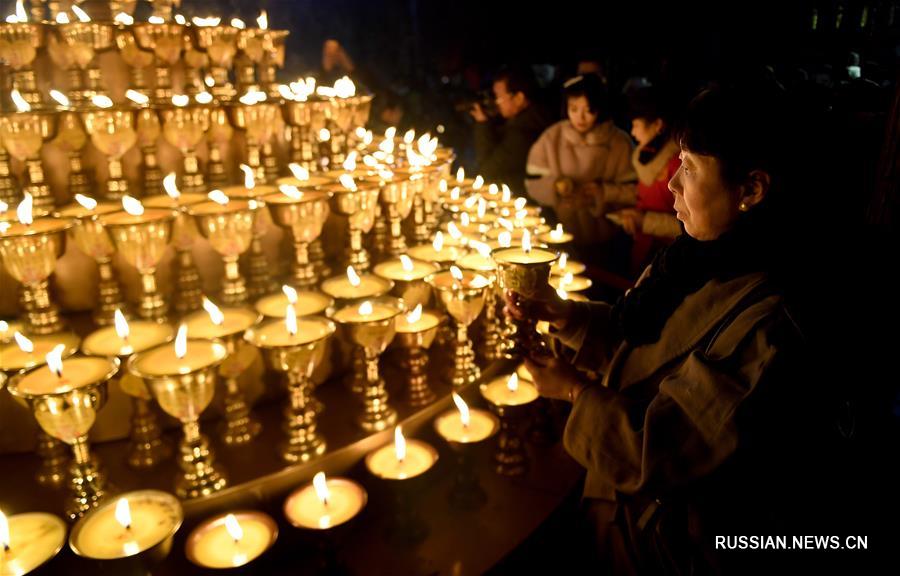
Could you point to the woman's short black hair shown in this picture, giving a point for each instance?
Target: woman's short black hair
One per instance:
(744, 127)
(591, 87)
(649, 104)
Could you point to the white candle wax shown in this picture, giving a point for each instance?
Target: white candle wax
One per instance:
(420, 457)
(162, 360)
(13, 358)
(304, 508)
(211, 545)
(77, 373)
(351, 314)
(446, 254)
(308, 303)
(370, 286)
(274, 334)
(143, 336)
(498, 393)
(154, 515)
(393, 270)
(237, 320)
(34, 538)
(578, 283)
(482, 425)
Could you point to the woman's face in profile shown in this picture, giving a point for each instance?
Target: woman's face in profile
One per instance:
(703, 202)
(580, 115)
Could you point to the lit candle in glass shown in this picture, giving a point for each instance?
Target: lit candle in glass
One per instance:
(181, 357)
(465, 425)
(401, 460)
(556, 236)
(570, 283)
(408, 276)
(437, 251)
(24, 353)
(325, 503)
(509, 391)
(231, 540)
(565, 265)
(130, 524)
(29, 540)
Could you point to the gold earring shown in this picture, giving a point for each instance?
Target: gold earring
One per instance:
(743, 207)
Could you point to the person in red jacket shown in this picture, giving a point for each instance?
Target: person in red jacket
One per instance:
(651, 222)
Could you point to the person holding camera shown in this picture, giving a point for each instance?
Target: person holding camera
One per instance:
(581, 166)
(501, 149)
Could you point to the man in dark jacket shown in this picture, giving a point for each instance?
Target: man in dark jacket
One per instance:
(501, 150)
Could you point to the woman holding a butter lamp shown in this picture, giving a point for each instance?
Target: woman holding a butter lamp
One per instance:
(690, 428)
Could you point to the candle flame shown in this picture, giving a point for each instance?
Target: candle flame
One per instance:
(471, 201)
(234, 528)
(61, 98)
(181, 342)
(399, 444)
(209, 81)
(563, 295)
(493, 189)
(409, 136)
(352, 276)
(513, 383)
(456, 273)
(180, 100)
(156, 20)
(321, 487)
(482, 208)
(460, 175)
(137, 97)
(249, 180)
(526, 241)
(505, 239)
(61, 18)
(122, 329)
(563, 260)
(463, 409)
(290, 293)
(481, 248)
(348, 182)
(4, 532)
(519, 204)
(238, 23)
(365, 309)
(360, 132)
(406, 263)
(324, 135)
(503, 222)
(291, 192)
(464, 219)
(478, 183)
(218, 197)
(507, 194)
(290, 319)
(21, 15)
(415, 315)
(367, 139)
(24, 344)
(123, 18)
(454, 231)
(132, 205)
(171, 187)
(123, 513)
(101, 101)
(454, 194)
(24, 211)
(214, 313)
(3, 206)
(299, 172)
(208, 21)
(54, 360)
(344, 87)
(21, 104)
(204, 97)
(82, 15)
(567, 279)
(370, 161)
(263, 20)
(179, 19)
(390, 133)
(4, 326)
(438, 243)
(350, 163)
